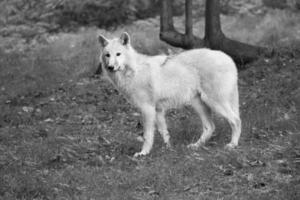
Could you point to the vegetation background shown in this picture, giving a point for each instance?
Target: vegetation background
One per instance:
(65, 134)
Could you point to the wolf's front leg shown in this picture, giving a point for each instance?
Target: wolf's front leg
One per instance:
(148, 112)
(162, 126)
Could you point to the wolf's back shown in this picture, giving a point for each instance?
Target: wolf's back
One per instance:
(205, 60)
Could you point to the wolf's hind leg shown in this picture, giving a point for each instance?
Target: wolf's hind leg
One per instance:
(232, 116)
(148, 112)
(162, 126)
(205, 115)
(235, 122)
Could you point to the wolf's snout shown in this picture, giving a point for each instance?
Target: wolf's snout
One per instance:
(110, 68)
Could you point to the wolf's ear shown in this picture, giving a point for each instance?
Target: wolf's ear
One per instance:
(102, 40)
(125, 39)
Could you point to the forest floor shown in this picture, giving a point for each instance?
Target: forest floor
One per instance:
(65, 134)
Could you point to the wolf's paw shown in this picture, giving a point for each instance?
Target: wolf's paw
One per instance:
(140, 139)
(139, 154)
(194, 146)
(168, 145)
(230, 146)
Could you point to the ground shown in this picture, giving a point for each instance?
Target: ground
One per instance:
(66, 134)
(77, 142)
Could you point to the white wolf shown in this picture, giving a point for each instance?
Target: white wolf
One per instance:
(205, 79)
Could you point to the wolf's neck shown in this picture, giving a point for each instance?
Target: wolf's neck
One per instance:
(136, 59)
(135, 62)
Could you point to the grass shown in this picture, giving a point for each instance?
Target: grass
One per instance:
(85, 151)
(66, 136)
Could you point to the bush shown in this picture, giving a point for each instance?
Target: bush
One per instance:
(100, 13)
(279, 4)
(104, 13)
(54, 15)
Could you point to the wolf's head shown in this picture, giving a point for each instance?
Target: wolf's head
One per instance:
(114, 56)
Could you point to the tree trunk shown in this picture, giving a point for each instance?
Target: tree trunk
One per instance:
(170, 35)
(213, 31)
(188, 19)
(214, 37)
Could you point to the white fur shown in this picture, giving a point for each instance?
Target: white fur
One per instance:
(205, 79)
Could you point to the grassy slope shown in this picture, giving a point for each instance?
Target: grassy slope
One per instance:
(74, 139)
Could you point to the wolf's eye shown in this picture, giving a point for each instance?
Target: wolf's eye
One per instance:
(107, 55)
(118, 54)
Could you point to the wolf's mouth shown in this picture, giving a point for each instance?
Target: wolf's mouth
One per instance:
(113, 69)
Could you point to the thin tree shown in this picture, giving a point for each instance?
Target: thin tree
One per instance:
(214, 37)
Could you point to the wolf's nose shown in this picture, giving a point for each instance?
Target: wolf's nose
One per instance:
(110, 68)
